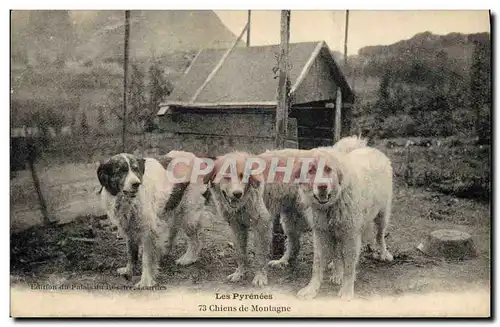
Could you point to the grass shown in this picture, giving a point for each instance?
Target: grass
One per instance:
(462, 170)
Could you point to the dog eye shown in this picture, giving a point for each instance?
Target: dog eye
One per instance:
(328, 170)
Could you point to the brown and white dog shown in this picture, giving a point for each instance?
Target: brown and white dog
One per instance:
(282, 198)
(355, 189)
(252, 198)
(239, 200)
(148, 210)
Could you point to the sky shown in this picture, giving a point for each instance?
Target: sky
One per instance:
(365, 27)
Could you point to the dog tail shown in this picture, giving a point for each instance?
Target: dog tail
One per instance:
(350, 143)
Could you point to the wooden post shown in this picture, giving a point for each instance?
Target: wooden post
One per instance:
(338, 118)
(283, 83)
(32, 153)
(125, 77)
(248, 30)
(337, 126)
(345, 38)
(346, 70)
(278, 242)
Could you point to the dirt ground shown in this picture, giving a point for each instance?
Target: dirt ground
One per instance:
(86, 251)
(69, 191)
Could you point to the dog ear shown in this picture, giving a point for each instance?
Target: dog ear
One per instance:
(105, 176)
(176, 196)
(165, 161)
(255, 180)
(336, 168)
(208, 178)
(142, 165)
(297, 170)
(340, 176)
(207, 195)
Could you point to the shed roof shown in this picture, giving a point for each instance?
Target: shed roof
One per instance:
(246, 76)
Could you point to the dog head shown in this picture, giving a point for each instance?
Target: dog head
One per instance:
(122, 173)
(281, 164)
(232, 177)
(323, 180)
(186, 167)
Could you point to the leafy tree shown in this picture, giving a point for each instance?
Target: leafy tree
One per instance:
(136, 97)
(383, 99)
(84, 126)
(159, 88)
(101, 120)
(73, 121)
(114, 101)
(480, 89)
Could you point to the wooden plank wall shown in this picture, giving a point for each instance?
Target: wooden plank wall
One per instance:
(218, 133)
(244, 125)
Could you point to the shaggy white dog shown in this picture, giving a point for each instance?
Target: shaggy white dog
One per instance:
(357, 189)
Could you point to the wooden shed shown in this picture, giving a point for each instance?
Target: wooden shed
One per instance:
(218, 110)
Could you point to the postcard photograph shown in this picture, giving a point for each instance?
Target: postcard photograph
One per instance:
(250, 163)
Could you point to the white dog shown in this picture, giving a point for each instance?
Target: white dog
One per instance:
(356, 189)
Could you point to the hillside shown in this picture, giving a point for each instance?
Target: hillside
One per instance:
(419, 75)
(423, 47)
(90, 35)
(73, 59)
(154, 31)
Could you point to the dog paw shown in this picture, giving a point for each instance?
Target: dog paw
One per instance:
(145, 282)
(125, 271)
(385, 256)
(186, 260)
(260, 279)
(346, 293)
(278, 263)
(308, 292)
(236, 276)
(336, 279)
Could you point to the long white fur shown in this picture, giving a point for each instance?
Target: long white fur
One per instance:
(295, 214)
(365, 195)
(154, 227)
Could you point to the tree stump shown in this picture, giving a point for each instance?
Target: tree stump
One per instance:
(449, 244)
